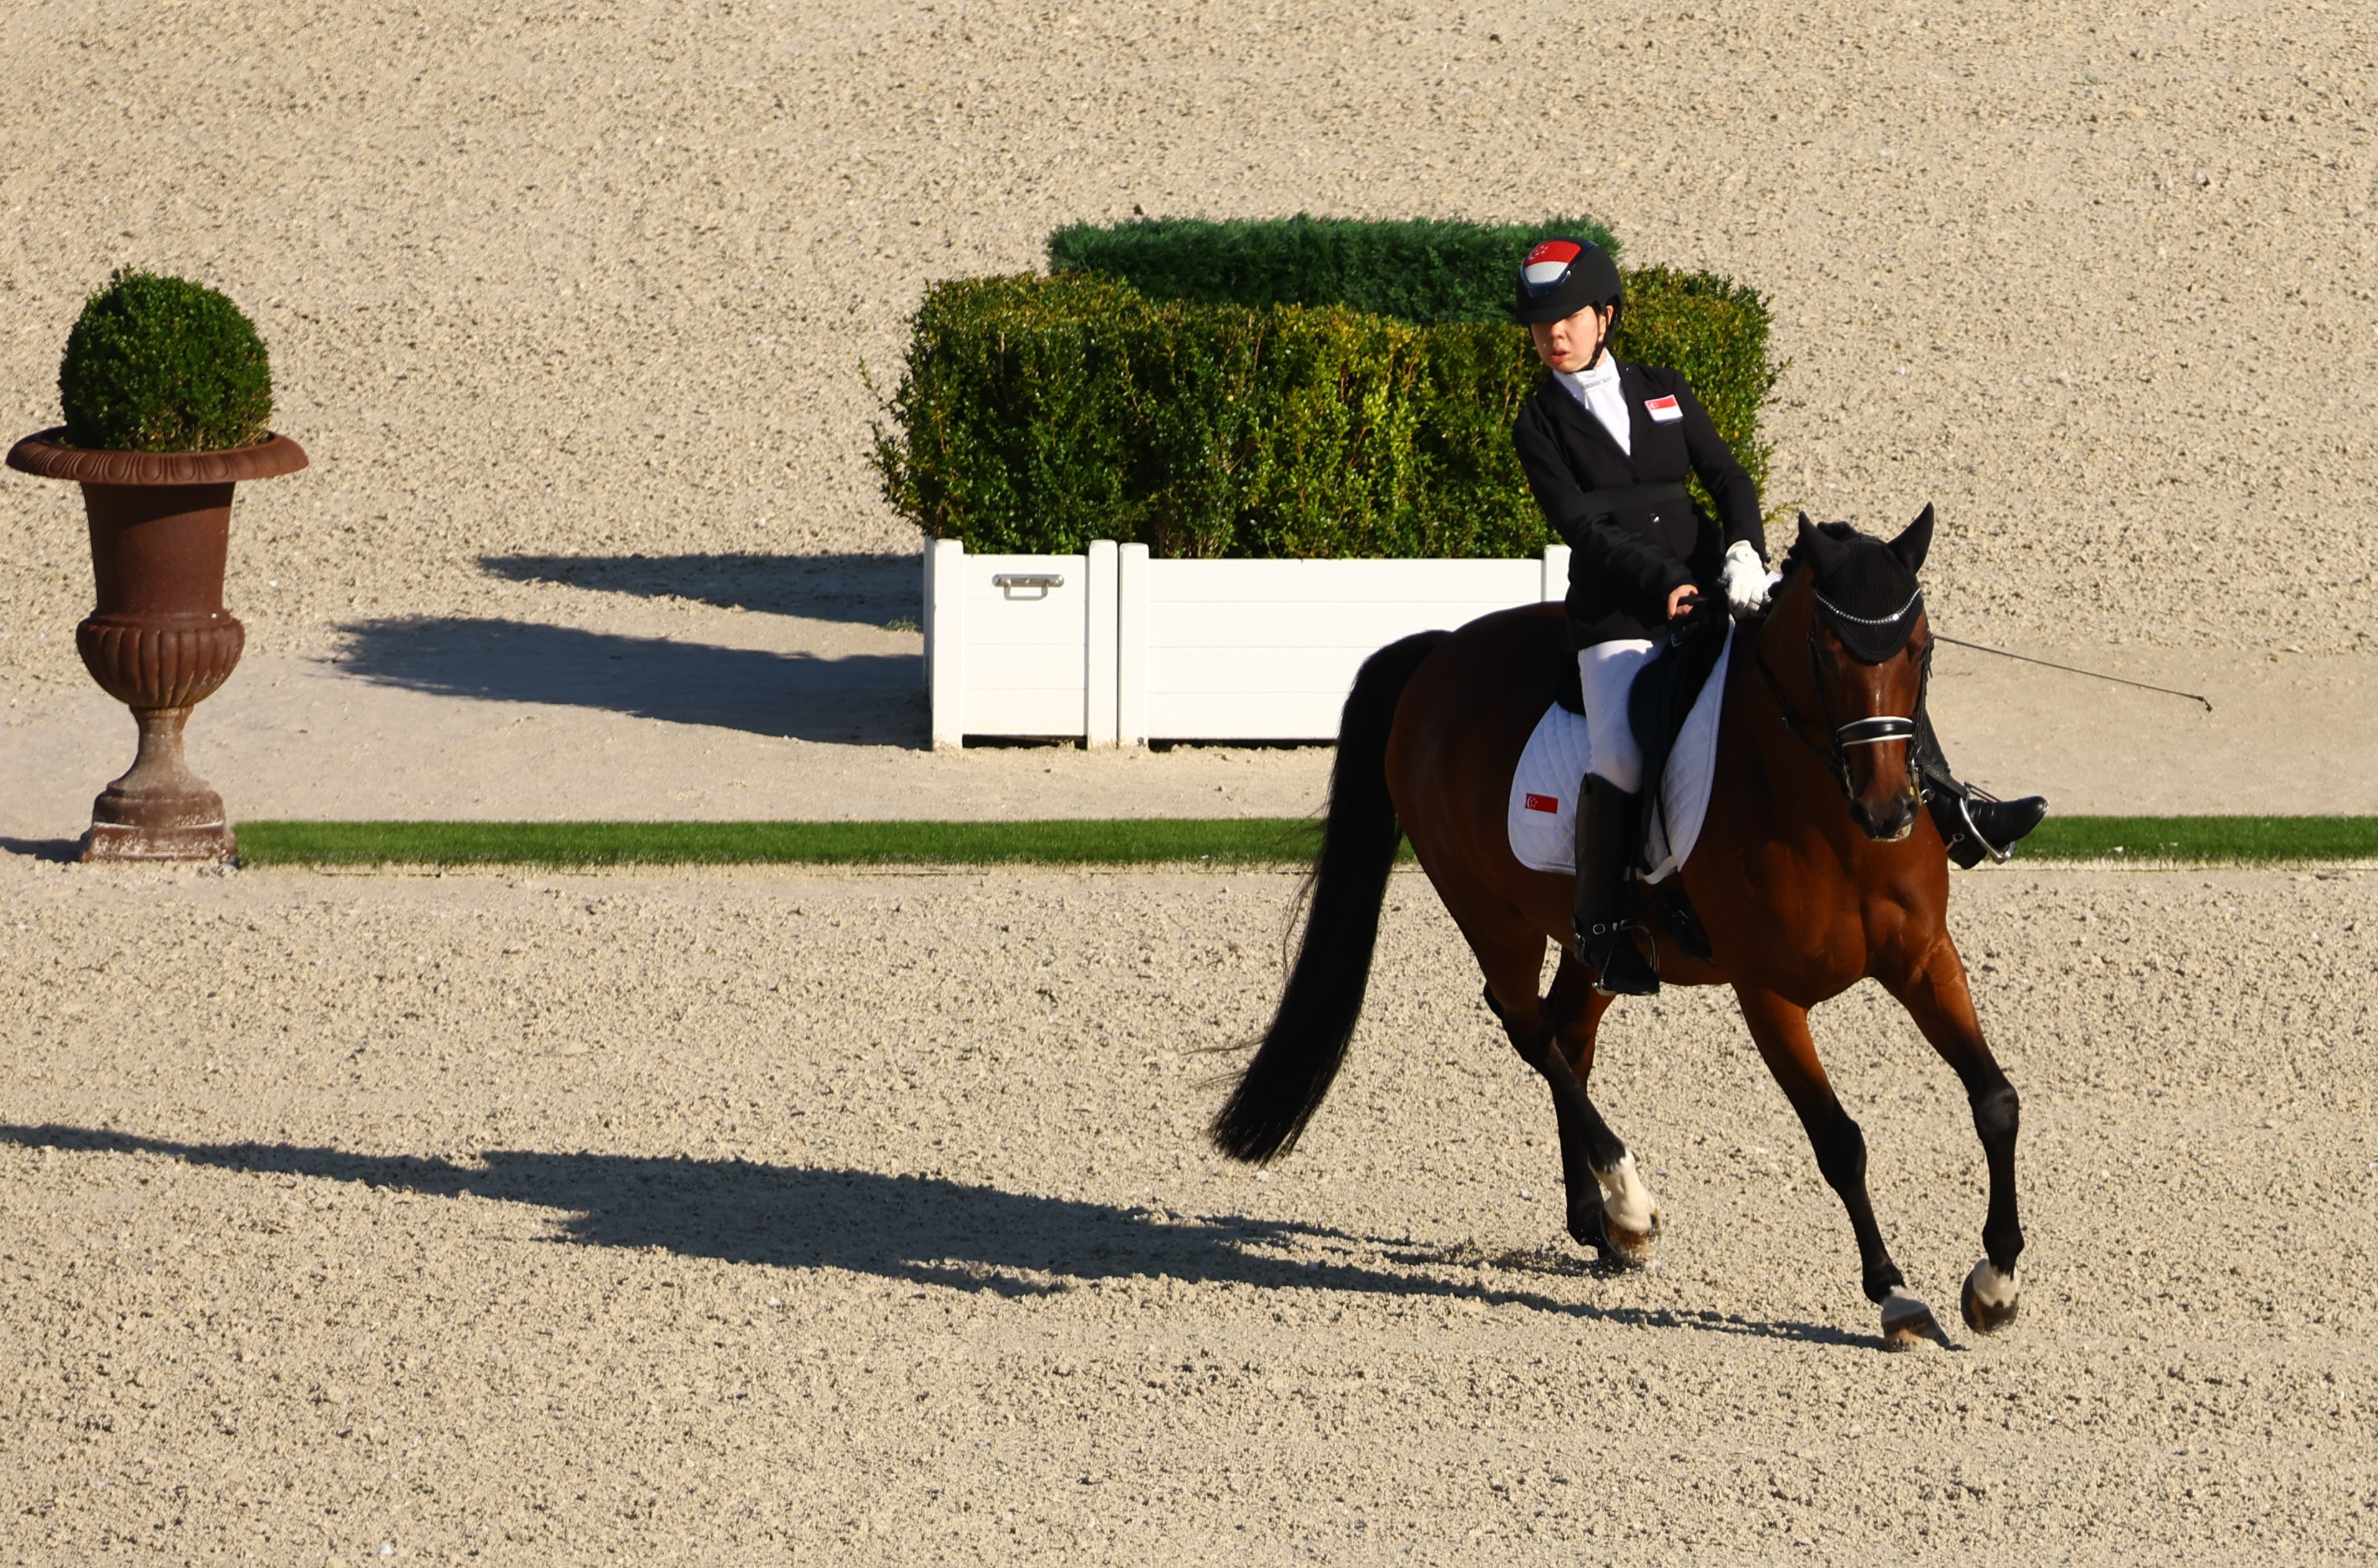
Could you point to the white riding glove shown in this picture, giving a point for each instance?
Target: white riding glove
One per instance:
(1745, 580)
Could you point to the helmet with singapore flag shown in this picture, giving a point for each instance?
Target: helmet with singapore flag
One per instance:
(1561, 277)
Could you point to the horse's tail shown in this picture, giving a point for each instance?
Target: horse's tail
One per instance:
(1283, 1085)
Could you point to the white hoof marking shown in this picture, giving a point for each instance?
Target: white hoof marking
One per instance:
(1990, 1299)
(1900, 1307)
(1631, 1206)
(1907, 1321)
(1991, 1288)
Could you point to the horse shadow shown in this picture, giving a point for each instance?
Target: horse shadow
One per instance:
(857, 589)
(921, 1229)
(864, 699)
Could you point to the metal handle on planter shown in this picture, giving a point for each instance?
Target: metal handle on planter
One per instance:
(1044, 581)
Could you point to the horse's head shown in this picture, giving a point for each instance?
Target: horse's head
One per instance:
(1856, 602)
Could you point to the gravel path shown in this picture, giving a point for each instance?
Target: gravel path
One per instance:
(574, 310)
(719, 1218)
(699, 712)
(600, 281)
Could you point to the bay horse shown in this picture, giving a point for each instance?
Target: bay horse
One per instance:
(1816, 867)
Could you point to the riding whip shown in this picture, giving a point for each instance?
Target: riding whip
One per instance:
(2069, 669)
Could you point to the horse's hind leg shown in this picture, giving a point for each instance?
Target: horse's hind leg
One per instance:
(1610, 1209)
(1626, 1223)
(1780, 1029)
(1936, 996)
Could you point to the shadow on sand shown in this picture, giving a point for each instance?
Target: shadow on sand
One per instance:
(867, 589)
(864, 699)
(924, 1230)
(64, 851)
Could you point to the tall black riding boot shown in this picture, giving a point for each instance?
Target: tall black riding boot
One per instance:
(1972, 824)
(1608, 824)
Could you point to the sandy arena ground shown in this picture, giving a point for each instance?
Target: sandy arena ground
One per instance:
(573, 307)
(755, 1217)
(762, 1218)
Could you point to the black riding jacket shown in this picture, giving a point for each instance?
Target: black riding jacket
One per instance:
(1622, 566)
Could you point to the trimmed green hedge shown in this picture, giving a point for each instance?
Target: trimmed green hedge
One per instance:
(163, 365)
(1424, 271)
(1035, 414)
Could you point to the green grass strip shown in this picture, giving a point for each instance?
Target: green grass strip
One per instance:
(1127, 841)
(1130, 842)
(2204, 838)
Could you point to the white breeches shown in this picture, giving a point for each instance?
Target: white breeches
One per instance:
(1605, 672)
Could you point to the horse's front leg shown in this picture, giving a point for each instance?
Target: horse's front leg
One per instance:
(1935, 993)
(1610, 1208)
(1780, 1029)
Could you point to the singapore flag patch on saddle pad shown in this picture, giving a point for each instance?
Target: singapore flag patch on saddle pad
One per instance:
(1663, 411)
(1543, 815)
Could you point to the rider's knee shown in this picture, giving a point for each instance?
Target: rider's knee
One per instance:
(1621, 768)
(1605, 674)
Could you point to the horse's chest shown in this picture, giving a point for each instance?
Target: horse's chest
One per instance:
(1809, 920)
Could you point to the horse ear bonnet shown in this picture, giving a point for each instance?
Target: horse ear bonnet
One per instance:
(1915, 542)
(1866, 593)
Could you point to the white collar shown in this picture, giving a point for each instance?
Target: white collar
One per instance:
(1602, 373)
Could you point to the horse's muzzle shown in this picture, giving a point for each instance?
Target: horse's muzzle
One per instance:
(1889, 823)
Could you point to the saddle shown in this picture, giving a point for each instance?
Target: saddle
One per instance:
(1664, 689)
(1657, 705)
(1661, 705)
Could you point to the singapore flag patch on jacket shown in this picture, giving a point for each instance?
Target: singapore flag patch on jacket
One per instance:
(1663, 411)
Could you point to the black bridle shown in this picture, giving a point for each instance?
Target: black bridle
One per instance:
(1871, 731)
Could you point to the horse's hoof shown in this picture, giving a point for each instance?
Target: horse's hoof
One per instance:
(1990, 1299)
(1907, 1324)
(1614, 1244)
(1630, 1249)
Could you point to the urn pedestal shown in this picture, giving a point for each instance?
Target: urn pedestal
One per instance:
(158, 637)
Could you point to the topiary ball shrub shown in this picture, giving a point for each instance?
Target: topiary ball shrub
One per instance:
(164, 364)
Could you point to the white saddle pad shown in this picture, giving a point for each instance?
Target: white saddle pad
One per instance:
(1543, 787)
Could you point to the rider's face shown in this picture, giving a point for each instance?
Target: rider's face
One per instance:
(1571, 342)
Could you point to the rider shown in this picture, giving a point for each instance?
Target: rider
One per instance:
(1605, 446)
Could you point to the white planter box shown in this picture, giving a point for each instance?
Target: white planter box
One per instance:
(1123, 649)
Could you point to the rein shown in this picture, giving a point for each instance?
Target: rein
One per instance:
(1871, 731)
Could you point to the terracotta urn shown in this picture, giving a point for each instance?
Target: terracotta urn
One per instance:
(158, 638)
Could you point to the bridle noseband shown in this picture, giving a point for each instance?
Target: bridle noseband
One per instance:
(1875, 730)
(1871, 731)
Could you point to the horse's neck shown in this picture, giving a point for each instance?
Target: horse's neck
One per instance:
(1772, 708)
(1782, 644)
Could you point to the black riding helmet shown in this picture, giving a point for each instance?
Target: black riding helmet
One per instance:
(1561, 277)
